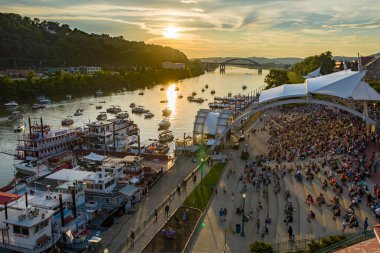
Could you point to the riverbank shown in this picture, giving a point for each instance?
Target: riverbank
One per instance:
(61, 84)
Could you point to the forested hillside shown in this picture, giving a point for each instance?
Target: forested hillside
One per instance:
(26, 42)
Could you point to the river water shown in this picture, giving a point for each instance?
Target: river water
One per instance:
(182, 117)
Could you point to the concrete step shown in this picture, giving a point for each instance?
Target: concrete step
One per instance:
(305, 227)
(294, 199)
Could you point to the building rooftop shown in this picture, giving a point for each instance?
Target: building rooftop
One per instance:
(8, 197)
(68, 175)
(29, 217)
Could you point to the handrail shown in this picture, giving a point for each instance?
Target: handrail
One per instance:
(347, 242)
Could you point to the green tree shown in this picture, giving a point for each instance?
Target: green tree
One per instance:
(276, 77)
(260, 247)
(311, 63)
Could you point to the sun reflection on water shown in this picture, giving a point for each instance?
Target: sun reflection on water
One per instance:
(171, 96)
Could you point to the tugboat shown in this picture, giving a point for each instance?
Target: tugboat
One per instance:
(67, 122)
(11, 104)
(16, 116)
(166, 112)
(102, 116)
(164, 124)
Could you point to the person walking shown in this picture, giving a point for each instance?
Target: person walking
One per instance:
(365, 224)
(290, 233)
(155, 214)
(216, 191)
(221, 214)
(225, 214)
(132, 237)
(166, 211)
(257, 226)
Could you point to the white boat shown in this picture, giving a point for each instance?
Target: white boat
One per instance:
(122, 115)
(166, 112)
(164, 124)
(166, 136)
(38, 106)
(16, 116)
(11, 104)
(44, 101)
(102, 116)
(19, 128)
(114, 109)
(79, 112)
(99, 93)
(67, 122)
(68, 97)
(149, 115)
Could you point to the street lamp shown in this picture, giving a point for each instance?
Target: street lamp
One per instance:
(246, 152)
(242, 234)
(202, 168)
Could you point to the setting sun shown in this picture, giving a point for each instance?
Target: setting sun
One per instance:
(171, 32)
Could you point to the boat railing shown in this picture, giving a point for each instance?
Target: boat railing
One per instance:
(47, 145)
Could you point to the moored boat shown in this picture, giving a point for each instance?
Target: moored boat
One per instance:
(99, 93)
(149, 115)
(122, 115)
(132, 105)
(44, 101)
(11, 104)
(67, 122)
(19, 128)
(114, 109)
(98, 107)
(102, 116)
(141, 93)
(16, 116)
(244, 87)
(166, 136)
(38, 106)
(164, 124)
(166, 112)
(212, 92)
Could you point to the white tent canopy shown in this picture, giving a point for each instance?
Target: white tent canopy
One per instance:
(283, 91)
(344, 84)
(314, 73)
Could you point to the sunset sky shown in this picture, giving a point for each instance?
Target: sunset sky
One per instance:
(203, 28)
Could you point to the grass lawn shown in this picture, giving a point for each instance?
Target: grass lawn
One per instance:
(200, 196)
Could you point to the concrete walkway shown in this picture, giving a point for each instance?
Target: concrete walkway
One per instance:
(114, 238)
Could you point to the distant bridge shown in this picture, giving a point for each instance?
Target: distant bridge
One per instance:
(234, 62)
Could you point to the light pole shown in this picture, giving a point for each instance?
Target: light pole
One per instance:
(202, 168)
(242, 234)
(246, 153)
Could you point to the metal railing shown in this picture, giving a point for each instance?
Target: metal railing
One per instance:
(301, 245)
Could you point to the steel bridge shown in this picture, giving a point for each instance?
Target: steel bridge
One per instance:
(235, 62)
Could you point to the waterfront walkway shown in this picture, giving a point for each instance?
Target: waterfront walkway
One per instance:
(115, 237)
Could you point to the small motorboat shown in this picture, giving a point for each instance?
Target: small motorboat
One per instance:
(98, 107)
(19, 128)
(198, 100)
(176, 88)
(229, 94)
(166, 112)
(139, 110)
(180, 96)
(16, 116)
(163, 101)
(162, 89)
(212, 92)
(149, 115)
(11, 104)
(78, 112)
(114, 109)
(194, 93)
(132, 105)
(102, 102)
(122, 115)
(190, 98)
(68, 97)
(38, 106)
(203, 90)
(164, 124)
(244, 87)
(206, 86)
(67, 122)
(44, 101)
(141, 93)
(166, 136)
(99, 93)
(102, 116)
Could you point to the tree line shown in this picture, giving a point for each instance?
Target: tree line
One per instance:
(26, 42)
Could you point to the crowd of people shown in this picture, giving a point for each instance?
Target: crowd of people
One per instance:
(314, 142)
